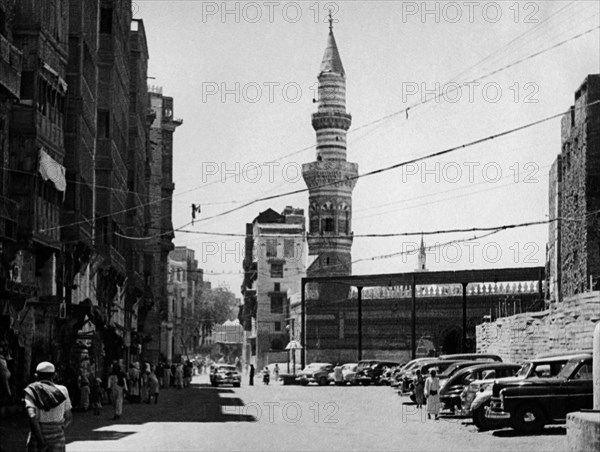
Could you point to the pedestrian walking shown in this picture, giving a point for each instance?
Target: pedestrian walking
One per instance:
(266, 376)
(153, 386)
(144, 395)
(179, 376)
(419, 389)
(432, 388)
(276, 372)
(159, 371)
(251, 375)
(167, 376)
(49, 410)
(96, 395)
(117, 385)
(133, 377)
(84, 392)
(187, 374)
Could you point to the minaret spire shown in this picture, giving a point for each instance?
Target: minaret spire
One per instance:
(331, 178)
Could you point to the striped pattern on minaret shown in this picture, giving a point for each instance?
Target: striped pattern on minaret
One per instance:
(330, 204)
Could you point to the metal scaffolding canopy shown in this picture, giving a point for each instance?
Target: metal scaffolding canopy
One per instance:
(438, 277)
(414, 279)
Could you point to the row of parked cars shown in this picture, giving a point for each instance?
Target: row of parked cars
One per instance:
(495, 394)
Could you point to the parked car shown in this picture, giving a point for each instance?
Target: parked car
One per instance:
(477, 396)
(451, 391)
(348, 374)
(439, 365)
(221, 374)
(532, 403)
(398, 377)
(472, 357)
(370, 371)
(451, 370)
(315, 373)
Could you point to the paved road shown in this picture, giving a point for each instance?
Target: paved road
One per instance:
(285, 418)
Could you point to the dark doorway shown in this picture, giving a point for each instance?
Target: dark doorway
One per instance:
(451, 342)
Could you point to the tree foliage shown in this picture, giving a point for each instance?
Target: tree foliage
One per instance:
(215, 307)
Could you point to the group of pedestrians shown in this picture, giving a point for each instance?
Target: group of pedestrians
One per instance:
(266, 374)
(428, 389)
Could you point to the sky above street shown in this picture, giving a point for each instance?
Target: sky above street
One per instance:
(421, 78)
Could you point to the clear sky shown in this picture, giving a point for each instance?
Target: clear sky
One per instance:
(243, 77)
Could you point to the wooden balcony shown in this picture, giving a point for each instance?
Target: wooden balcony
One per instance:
(10, 67)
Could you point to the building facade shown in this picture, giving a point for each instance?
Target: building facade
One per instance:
(180, 334)
(274, 265)
(159, 227)
(76, 188)
(580, 195)
(331, 178)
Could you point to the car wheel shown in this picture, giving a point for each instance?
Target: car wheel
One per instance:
(323, 381)
(484, 423)
(304, 383)
(528, 418)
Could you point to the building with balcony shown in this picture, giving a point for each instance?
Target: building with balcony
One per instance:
(36, 156)
(160, 227)
(274, 264)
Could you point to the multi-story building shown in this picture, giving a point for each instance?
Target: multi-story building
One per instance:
(36, 158)
(185, 287)
(13, 291)
(580, 195)
(160, 227)
(171, 331)
(111, 157)
(138, 298)
(274, 265)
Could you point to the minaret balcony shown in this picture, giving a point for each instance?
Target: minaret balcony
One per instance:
(331, 120)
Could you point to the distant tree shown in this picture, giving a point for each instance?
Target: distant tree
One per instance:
(216, 306)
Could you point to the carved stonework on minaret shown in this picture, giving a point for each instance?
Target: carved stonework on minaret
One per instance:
(330, 179)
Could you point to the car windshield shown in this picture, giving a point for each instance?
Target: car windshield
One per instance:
(314, 366)
(226, 368)
(568, 369)
(365, 364)
(349, 367)
(524, 370)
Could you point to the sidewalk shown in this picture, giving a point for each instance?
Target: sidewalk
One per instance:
(193, 404)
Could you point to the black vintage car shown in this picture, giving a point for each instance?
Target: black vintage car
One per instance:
(450, 392)
(370, 371)
(531, 404)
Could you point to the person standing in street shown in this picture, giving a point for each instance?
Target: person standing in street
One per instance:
(276, 372)
(49, 410)
(134, 382)
(153, 386)
(167, 376)
(251, 375)
(96, 395)
(419, 389)
(117, 385)
(432, 389)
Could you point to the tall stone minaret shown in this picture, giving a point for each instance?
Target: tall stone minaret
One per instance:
(330, 205)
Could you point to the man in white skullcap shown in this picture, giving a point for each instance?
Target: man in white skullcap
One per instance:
(49, 409)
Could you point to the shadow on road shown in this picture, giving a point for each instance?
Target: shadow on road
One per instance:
(197, 403)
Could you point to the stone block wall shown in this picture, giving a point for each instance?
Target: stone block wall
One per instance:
(569, 326)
